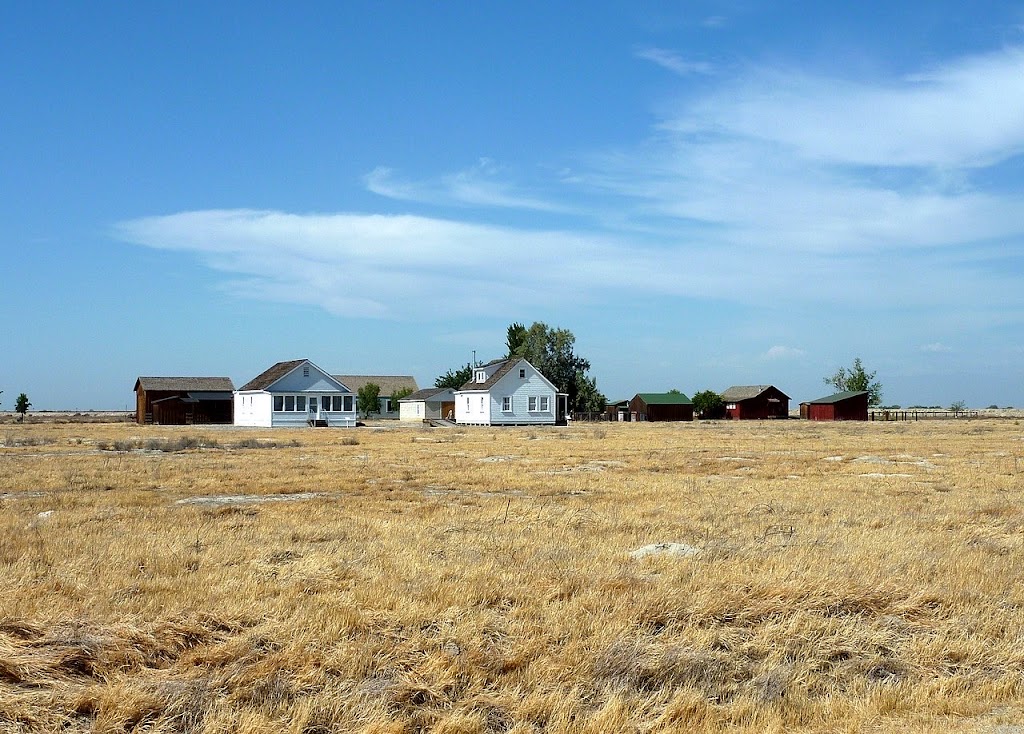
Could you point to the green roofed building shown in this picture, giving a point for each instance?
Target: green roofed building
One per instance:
(661, 406)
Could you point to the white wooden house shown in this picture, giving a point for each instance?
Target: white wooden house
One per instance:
(295, 393)
(509, 392)
(432, 403)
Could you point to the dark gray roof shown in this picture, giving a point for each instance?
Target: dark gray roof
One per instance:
(265, 379)
(388, 384)
(185, 384)
(738, 393)
(838, 397)
(504, 369)
(425, 394)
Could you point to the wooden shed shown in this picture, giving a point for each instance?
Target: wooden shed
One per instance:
(843, 406)
(755, 402)
(183, 400)
(661, 406)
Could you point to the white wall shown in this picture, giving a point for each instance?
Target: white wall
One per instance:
(253, 409)
(412, 411)
(521, 389)
(477, 411)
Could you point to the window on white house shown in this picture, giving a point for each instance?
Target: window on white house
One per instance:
(545, 404)
(279, 402)
(289, 403)
(522, 374)
(305, 370)
(467, 405)
(325, 402)
(348, 403)
(506, 404)
(300, 402)
(481, 376)
(481, 403)
(531, 404)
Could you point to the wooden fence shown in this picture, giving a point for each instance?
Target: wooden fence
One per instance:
(921, 415)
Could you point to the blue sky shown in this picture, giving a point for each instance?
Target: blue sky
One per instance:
(705, 193)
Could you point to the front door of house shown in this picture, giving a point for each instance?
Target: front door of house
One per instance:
(314, 407)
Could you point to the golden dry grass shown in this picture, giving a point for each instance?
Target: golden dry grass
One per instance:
(851, 578)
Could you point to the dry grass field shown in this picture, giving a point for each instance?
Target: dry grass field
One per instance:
(834, 578)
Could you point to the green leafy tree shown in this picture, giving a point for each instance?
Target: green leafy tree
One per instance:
(455, 378)
(856, 379)
(709, 404)
(21, 406)
(515, 338)
(551, 351)
(368, 399)
(398, 395)
(588, 398)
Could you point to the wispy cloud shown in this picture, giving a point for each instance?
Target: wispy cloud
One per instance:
(782, 352)
(966, 113)
(776, 187)
(935, 348)
(673, 62)
(477, 186)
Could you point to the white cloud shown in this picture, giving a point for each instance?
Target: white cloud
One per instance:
(935, 348)
(964, 114)
(477, 186)
(782, 352)
(674, 63)
(753, 194)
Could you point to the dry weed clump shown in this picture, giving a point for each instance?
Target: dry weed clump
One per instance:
(848, 578)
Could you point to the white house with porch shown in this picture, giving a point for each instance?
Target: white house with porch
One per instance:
(509, 392)
(294, 394)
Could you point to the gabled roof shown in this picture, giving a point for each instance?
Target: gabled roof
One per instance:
(507, 366)
(185, 384)
(838, 397)
(738, 393)
(664, 398)
(265, 379)
(388, 384)
(424, 395)
(504, 369)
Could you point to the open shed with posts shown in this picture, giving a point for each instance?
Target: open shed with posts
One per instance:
(842, 406)
(176, 401)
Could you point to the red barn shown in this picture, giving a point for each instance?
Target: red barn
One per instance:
(661, 406)
(753, 402)
(843, 406)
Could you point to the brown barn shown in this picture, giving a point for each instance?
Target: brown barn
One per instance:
(754, 402)
(617, 411)
(661, 406)
(183, 400)
(843, 406)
